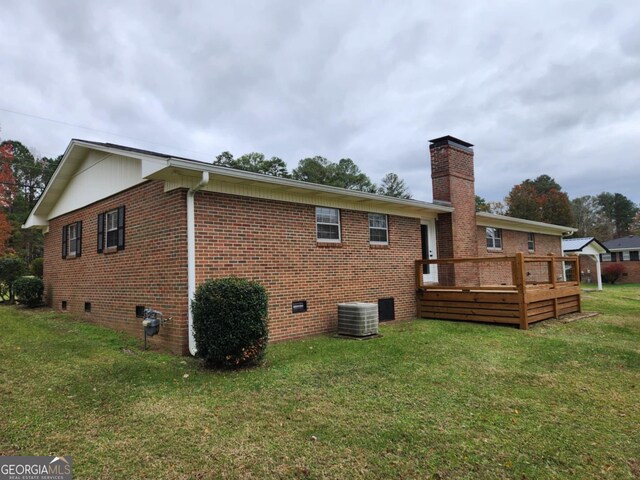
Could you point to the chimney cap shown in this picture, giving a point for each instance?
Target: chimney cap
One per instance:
(449, 140)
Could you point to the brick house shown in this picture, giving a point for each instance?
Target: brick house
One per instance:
(127, 229)
(624, 251)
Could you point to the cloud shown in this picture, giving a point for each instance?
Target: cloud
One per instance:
(538, 87)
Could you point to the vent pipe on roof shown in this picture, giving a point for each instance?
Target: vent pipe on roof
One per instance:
(191, 254)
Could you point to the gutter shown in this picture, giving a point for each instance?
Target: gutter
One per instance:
(191, 254)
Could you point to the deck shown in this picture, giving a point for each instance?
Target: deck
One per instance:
(518, 290)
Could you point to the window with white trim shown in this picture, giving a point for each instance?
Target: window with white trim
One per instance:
(111, 219)
(72, 235)
(72, 240)
(327, 224)
(378, 229)
(606, 257)
(626, 256)
(531, 242)
(494, 238)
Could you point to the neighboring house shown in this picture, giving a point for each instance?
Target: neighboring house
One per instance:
(127, 229)
(626, 252)
(589, 250)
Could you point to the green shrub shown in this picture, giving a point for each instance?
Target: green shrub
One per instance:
(11, 268)
(230, 322)
(29, 291)
(37, 267)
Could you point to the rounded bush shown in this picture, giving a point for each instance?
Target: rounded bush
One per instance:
(611, 273)
(29, 290)
(37, 267)
(230, 322)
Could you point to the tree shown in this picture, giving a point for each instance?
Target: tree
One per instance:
(498, 208)
(619, 211)
(11, 268)
(254, 162)
(522, 202)
(5, 232)
(344, 174)
(555, 208)
(23, 178)
(585, 215)
(481, 204)
(541, 199)
(394, 186)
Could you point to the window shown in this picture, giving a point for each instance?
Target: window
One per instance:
(327, 224)
(87, 307)
(494, 238)
(72, 240)
(111, 230)
(626, 256)
(606, 257)
(378, 229)
(531, 242)
(72, 236)
(634, 256)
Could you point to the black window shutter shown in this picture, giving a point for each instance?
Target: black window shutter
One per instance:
(121, 228)
(100, 232)
(78, 239)
(64, 242)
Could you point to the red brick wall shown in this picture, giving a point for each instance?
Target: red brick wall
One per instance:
(512, 243)
(588, 272)
(631, 269)
(453, 181)
(150, 271)
(275, 243)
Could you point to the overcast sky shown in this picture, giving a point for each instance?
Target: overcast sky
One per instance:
(537, 86)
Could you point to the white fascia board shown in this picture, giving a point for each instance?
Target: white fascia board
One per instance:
(485, 219)
(75, 153)
(196, 167)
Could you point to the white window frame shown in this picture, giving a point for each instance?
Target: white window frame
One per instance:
(626, 256)
(385, 229)
(493, 238)
(328, 240)
(71, 240)
(531, 242)
(113, 214)
(606, 257)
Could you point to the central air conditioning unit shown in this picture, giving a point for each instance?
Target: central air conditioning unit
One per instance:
(358, 319)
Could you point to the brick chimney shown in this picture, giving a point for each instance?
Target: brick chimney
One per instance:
(453, 184)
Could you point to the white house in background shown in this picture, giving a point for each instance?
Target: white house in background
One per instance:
(586, 246)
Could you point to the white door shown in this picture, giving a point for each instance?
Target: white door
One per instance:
(428, 235)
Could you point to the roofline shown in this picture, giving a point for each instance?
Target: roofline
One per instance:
(198, 166)
(593, 239)
(525, 223)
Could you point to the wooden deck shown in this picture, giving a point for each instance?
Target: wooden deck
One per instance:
(518, 302)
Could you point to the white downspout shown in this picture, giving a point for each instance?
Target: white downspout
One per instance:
(191, 254)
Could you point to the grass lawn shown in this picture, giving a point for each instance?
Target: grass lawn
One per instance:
(428, 399)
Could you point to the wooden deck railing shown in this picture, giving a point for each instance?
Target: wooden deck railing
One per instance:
(529, 289)
(518, 271)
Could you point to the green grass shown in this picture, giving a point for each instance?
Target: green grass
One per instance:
(430, 399)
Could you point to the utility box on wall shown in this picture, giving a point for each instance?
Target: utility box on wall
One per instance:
(357, 319)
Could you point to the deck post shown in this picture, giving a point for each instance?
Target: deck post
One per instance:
(419, 277)
(519, 280)
(552, 281)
